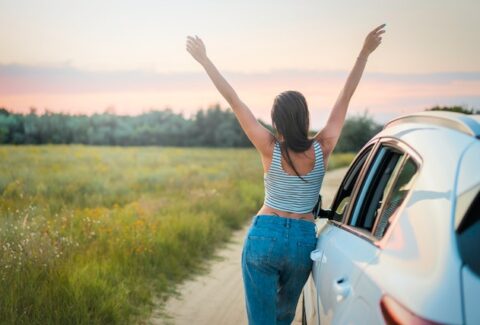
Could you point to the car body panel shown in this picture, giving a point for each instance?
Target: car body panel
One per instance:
(468, 186)
(471, 287)
(469, 168)
(344, 258)
(317, 255)
(420, 251)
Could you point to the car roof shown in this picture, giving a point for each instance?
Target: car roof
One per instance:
(467, 124)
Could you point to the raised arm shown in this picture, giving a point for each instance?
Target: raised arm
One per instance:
(256, 132)
(329, 135)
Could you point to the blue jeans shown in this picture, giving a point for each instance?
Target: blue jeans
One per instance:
(275, 266)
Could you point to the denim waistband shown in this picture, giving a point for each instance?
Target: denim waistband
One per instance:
(287, 222)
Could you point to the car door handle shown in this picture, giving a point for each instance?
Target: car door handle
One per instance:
(341, 287)
(316, 255)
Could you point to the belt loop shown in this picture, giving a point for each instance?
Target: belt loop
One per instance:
(255, 218)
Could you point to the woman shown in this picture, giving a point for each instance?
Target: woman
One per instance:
(276, 254)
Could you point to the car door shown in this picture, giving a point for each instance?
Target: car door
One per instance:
(353, 243)
(320, 266)
(379, 200)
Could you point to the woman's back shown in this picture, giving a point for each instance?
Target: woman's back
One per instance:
(303, 161)
(289, 192)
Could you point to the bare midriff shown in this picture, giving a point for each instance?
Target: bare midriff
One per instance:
(271, 211)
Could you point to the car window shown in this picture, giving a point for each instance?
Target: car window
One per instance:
(384, 188)
(342, 199)
(399, 190)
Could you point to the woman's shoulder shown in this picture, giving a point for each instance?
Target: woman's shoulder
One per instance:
(324, 142)
(272, 146)
(324, 147)
(316, 143)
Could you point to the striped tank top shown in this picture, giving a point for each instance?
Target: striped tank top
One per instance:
(289, 192)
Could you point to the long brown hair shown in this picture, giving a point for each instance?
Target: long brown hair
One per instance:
(290, 118)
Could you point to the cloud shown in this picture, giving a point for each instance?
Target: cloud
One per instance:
(65, 88)
(24, 79)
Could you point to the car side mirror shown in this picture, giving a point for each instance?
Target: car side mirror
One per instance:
(318, 212)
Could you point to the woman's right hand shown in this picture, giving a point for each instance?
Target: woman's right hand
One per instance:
(373, 40)
(197, 49)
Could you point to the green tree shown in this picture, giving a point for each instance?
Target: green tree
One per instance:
(356, 132)
(455, 108)
(211, 127)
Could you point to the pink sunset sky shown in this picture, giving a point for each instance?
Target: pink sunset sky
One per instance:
(85, 57)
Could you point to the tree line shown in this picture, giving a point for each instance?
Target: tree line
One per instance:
(212, 127)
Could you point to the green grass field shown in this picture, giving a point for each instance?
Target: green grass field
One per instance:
(90, 235)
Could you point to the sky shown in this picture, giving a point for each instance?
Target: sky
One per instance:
(83, 57)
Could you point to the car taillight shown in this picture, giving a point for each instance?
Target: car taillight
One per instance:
(397, 314)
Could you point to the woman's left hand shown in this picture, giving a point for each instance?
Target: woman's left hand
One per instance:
(197, 49)
(373, 40)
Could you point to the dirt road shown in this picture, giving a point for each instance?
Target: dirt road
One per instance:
(217, 297)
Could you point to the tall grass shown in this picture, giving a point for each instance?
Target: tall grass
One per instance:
(339, 160)
(88, 235)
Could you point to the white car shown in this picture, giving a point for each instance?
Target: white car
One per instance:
(402, 243)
